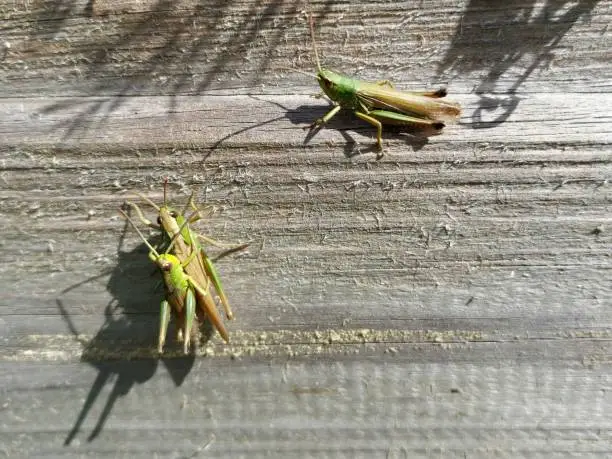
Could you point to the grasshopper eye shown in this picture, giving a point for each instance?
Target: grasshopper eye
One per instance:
(173, 214)
(159, 221)
(166, 266)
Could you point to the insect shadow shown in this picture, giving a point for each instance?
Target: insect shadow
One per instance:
(123, 350)
(345, 121)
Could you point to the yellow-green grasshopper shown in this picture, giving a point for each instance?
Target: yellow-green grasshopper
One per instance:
(175, 226)
(380, 103)
(181, 290)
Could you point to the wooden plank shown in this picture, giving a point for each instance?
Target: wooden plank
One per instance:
(112, 47)
(272, 121)
(390, 406)
(451, 299)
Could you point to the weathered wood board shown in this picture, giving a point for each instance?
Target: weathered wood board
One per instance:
(452, 299)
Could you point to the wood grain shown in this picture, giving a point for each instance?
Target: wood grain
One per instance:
(452, 299)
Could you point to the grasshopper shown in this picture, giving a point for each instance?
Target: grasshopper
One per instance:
(181, 290)
(187, 247)
(380, 103)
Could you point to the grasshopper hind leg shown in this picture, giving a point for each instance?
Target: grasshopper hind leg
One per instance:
(437, 94)
(190, 314)
(164, 320)
(399, 119)
(374, 122)
(377, 117)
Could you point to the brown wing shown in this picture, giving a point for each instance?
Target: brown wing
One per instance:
(207, 304)
(385, 98)
(196, 270)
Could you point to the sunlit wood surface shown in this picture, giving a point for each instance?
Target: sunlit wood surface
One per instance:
(451, 299)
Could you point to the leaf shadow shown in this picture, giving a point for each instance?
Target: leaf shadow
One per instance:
(177, 49)
(508, 44)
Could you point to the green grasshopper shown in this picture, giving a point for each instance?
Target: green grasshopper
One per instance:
(181, 290)
(380, 103)
(187, 247)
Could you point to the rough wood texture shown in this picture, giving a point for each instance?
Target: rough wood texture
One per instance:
(450, 300)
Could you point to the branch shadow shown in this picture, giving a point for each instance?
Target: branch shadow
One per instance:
(509, 42)
(157, 48)
(122, 350)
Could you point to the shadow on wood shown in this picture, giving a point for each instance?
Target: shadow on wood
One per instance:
(531, 33)
(121, 339)
(305, 115)
(213, 35)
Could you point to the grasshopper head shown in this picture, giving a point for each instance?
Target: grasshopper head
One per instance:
(165, 215)
(330, 82)
(172, 272)
(167, 262)
(339, 88)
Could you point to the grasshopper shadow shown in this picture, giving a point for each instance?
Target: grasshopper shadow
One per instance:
(343, 122)
(346, 121)
(507, 45)
(124, 351)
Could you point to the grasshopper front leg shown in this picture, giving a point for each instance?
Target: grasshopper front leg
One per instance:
(328, 116)
(141, 216)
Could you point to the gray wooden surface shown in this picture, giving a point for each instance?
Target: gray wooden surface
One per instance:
(452, 299)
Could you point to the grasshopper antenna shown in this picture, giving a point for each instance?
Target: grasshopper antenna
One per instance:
(165, 191)
(148, 201)
(144, 239)
(314, 43)
(289, 69)
(174, 238)
(189, 204)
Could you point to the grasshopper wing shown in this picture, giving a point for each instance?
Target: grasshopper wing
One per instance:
(375, 96)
